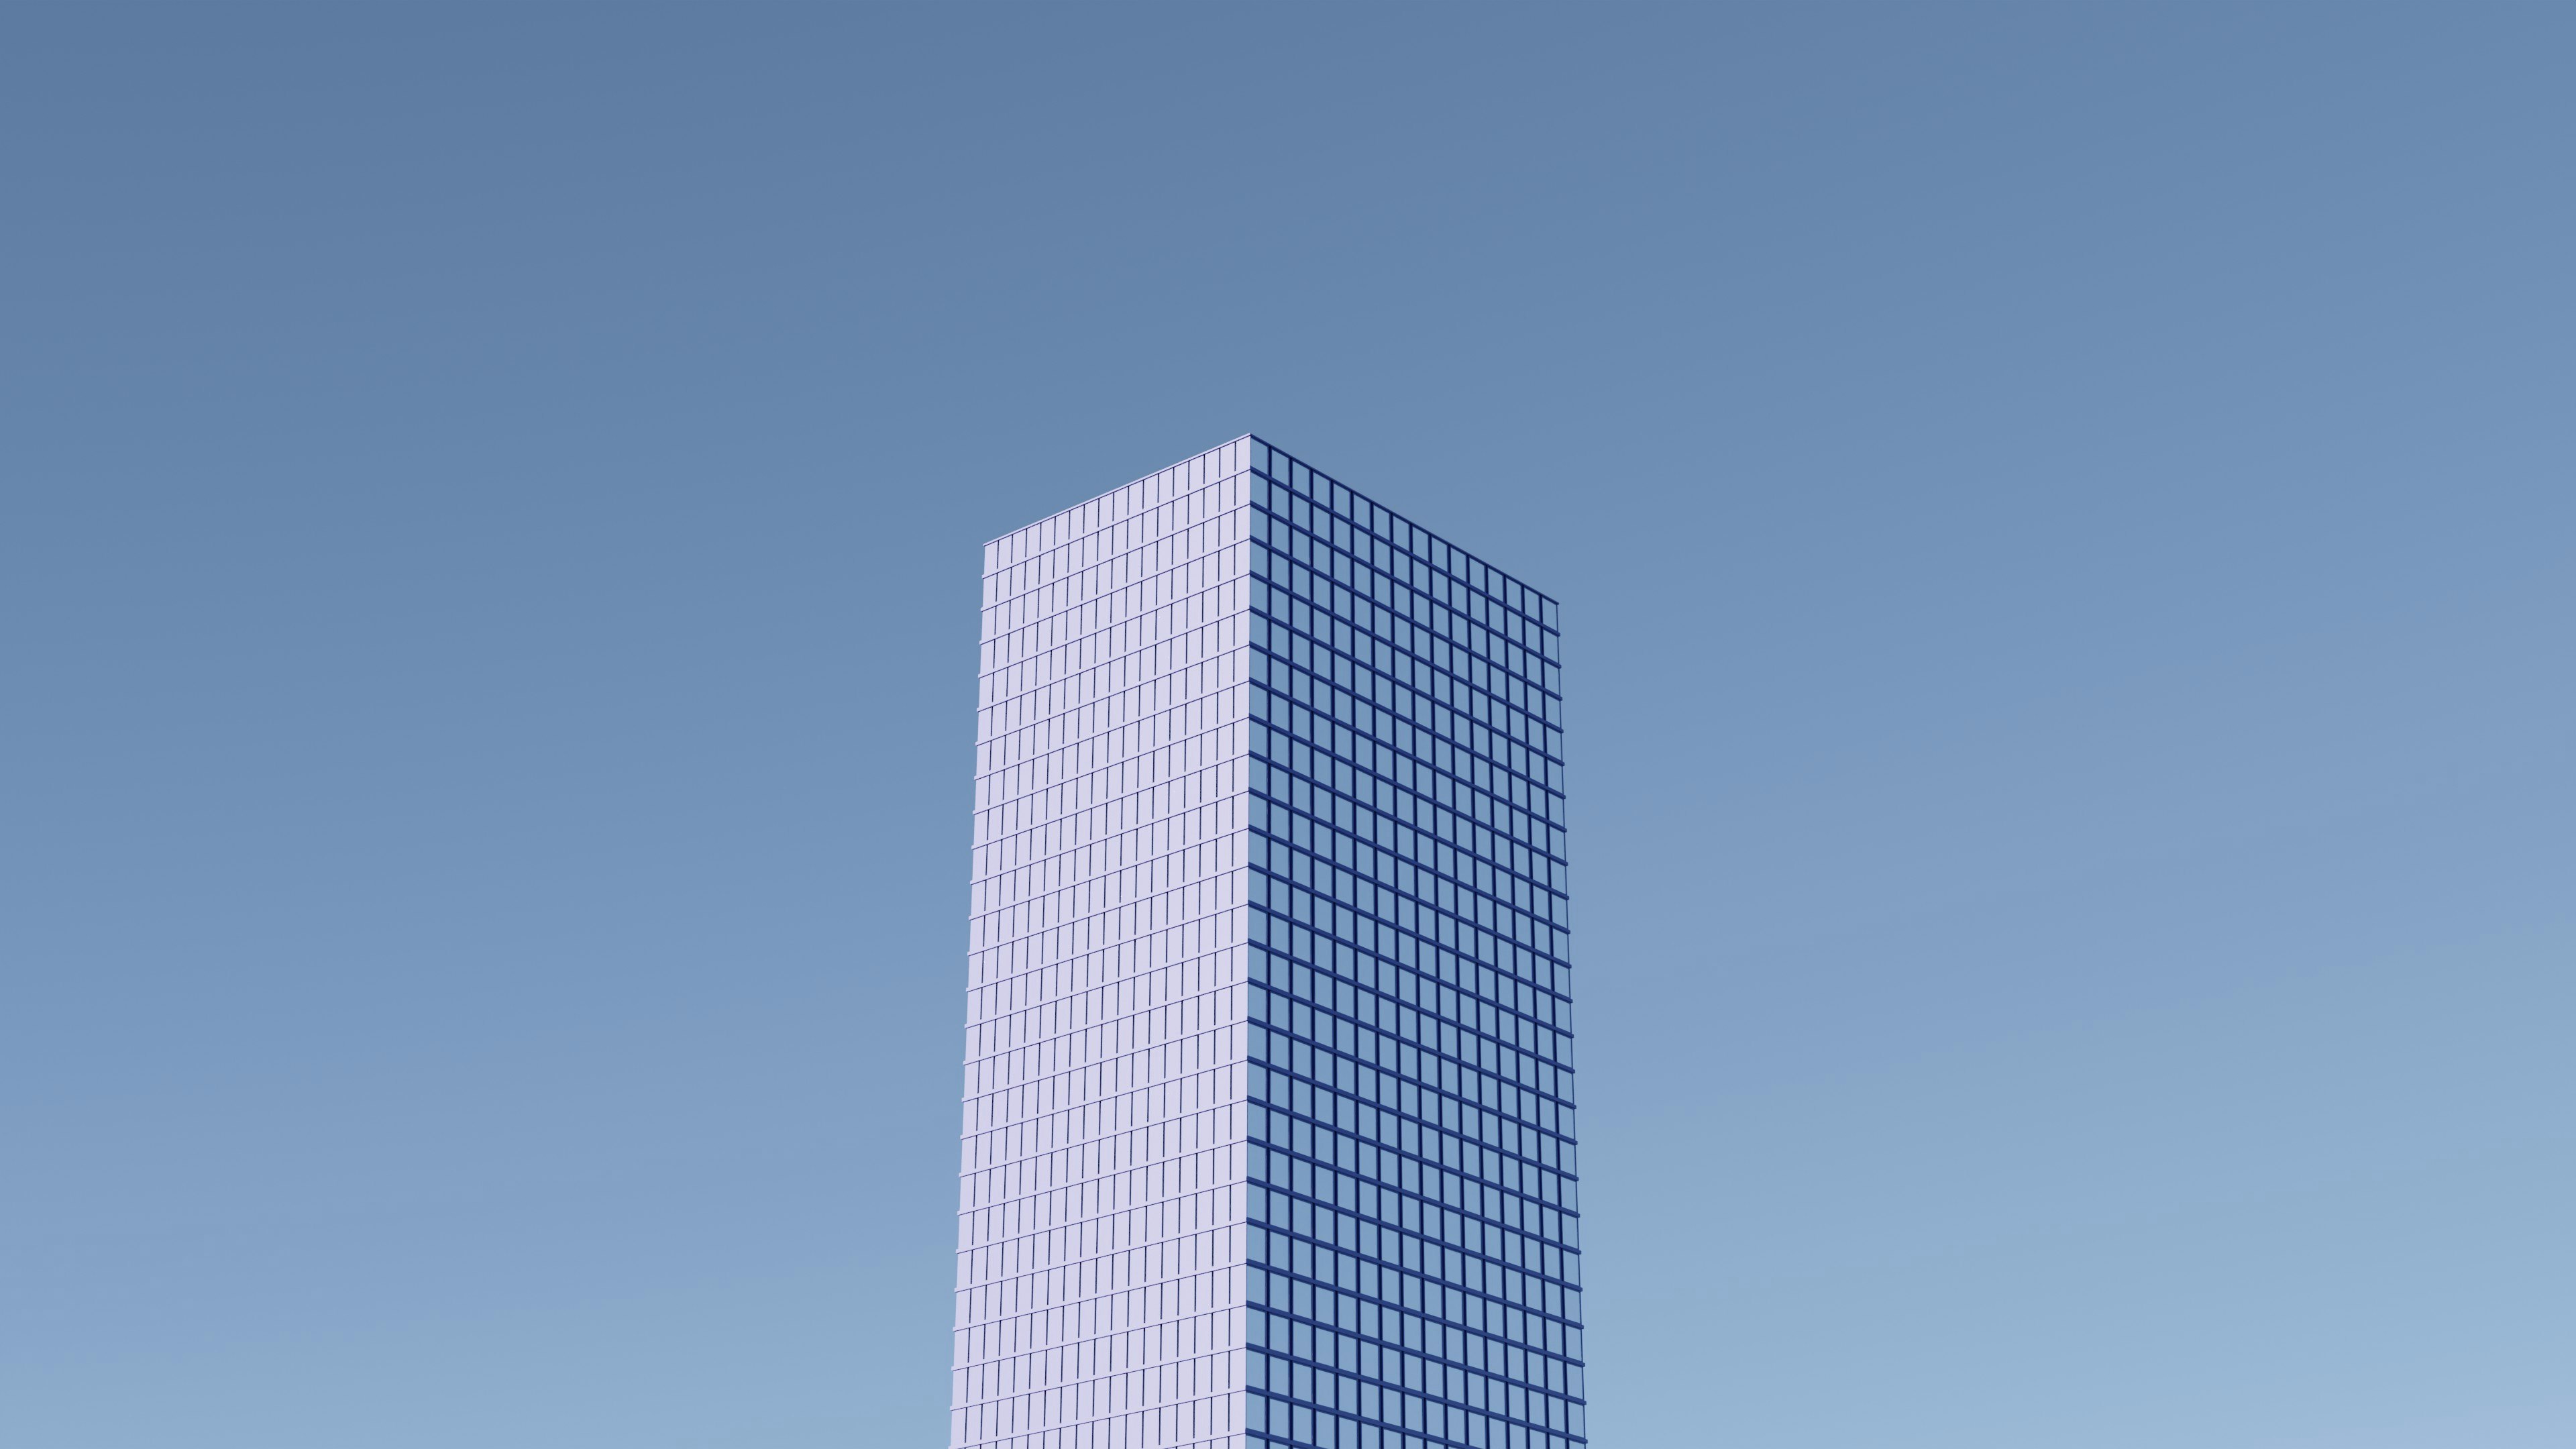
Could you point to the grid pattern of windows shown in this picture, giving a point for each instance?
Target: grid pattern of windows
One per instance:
(1101, 1193)
(1269, 1108)
(1414, 1235)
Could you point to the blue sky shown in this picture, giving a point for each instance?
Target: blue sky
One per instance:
(2065, 522)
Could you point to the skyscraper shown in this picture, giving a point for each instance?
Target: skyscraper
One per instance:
(1269, 1122)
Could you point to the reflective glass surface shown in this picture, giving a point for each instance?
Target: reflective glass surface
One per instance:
(1413, 1237)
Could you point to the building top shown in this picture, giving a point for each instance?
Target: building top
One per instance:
(1389, 530)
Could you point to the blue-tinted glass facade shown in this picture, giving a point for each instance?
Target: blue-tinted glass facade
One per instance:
(1413, 1223)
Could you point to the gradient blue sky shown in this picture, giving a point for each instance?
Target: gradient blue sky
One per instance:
(2065, 520)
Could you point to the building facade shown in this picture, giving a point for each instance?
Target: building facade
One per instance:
(1269, 1113)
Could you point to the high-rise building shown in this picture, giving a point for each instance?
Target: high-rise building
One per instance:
(1269, 1111)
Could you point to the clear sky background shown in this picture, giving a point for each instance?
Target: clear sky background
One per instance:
(2068, 541)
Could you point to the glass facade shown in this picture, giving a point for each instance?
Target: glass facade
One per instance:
(1414, 1224)
(1269, 1128)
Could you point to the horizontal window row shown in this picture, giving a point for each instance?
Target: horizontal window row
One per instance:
(1302, 851)
(1140, 1083)
(1533, 1169)
(1181, 1155)
(1379, 1150)
(1396, 1348)
(1196, 1354)
(1126, 874)
(1106, 728)
(1281, 481)
(1495, 1193)
(1402, 896)
(1328, 894)
(1305, 849)
(1527, 742)
(1066, 846)
(1416, 1236)
(1214, 555)
(1410, 1003)
(1478, 719)
(1086, 1207)
(1302, 1426)
(1367, 1396)
(1409, 760)
(1073, 552)
(1521, 1227)
(1365, 1343)
(1493, 696)
(1106, 801)
(1026, 992)
(1373, 949)
(1293, 599)
(1114, 693)
(1392, 593)
(1411, 1118)
(1534, 946)
(1438, 805)
(1456, 1057)
(1410, 1311)
(1397, 885)
(1125, 622)
(1103, 906)
(1452, 985)
(1412, 1290)
(1398, 614)
(1421, 759)
(1511, 803)
(1105, 1272)
(1413, 827)
(1154, 505)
